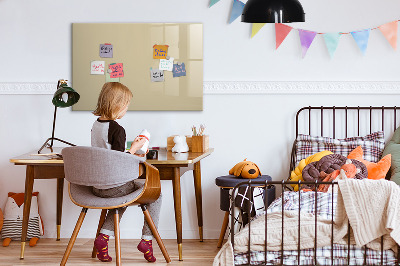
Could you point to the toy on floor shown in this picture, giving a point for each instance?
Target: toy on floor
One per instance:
(245, 169)
(13, 215)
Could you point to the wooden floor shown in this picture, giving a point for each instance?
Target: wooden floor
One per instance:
(50, 252)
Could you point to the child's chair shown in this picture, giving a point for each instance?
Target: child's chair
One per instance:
(85, 167)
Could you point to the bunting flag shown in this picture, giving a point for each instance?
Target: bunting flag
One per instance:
(332, 41)
(389, 30)
(237, 9)
(281, 31)
(213, 2)
(361, 37)
(256, 27)
(306, 39)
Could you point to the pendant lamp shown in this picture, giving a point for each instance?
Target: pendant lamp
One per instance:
(272, 11)
(63, 97)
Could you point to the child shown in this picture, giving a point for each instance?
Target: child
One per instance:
(106, 133)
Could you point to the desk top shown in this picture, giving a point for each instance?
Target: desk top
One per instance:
(164, 157)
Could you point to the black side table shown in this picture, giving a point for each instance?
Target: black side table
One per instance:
(226, 183)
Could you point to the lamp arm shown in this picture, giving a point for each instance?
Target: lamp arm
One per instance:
(54, 126)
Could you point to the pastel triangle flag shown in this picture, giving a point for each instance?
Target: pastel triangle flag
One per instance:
(281, 31)
(361, 37)
(389, 30)
(213, 2)
(256, 27)
(306, 39)
(237, 9)
(332, 41)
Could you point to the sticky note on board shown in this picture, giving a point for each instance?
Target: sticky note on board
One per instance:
(160, 51)
(156, 75)
(117, 70)
(166, 64)
(97, 67)
(106, 50)
(109, 79)
(179, 70)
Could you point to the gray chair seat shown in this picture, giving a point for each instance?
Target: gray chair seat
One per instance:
(83, 196)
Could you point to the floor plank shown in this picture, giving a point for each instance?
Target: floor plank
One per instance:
(49, 252)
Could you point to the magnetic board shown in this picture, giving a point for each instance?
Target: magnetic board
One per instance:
(133, 45)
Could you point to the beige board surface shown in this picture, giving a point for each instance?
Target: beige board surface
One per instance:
(133, 46)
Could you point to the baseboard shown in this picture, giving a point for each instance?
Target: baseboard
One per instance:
(246, 87)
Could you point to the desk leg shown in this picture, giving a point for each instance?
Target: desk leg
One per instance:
(176, 182)
(27, 206)
(197, 189)
(60, 190)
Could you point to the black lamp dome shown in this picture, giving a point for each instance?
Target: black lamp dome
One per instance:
(273, 11)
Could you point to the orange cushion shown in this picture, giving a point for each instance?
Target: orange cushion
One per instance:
(375, 170)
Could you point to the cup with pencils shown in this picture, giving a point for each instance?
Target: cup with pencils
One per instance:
(199, 140)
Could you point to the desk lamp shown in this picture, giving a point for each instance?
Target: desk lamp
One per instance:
(63, 97)
(273, 11)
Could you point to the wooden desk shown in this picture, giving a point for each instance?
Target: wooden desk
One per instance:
(171, 167)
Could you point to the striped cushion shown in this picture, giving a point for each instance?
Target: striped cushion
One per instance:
(13, 228)
(372, 145)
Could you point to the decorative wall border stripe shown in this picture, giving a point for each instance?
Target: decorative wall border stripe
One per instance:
(248, 87)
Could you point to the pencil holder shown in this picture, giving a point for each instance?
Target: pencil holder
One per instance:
(200, 143)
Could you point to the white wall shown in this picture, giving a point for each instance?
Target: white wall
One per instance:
(35, 42)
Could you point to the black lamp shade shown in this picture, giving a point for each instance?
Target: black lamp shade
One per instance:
(62, 101)
(273, 11)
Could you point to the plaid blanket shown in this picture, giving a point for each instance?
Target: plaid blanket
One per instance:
(323, 205)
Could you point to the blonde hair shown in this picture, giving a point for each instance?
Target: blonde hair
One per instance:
(114, 96)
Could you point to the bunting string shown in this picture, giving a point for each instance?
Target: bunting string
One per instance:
(361, 37)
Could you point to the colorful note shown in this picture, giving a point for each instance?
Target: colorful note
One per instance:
(160, 51)
(179, 70)
(156, 75)
(106, 50)
(97, 67)
(109, 79)
(167, 64)
(117, 70)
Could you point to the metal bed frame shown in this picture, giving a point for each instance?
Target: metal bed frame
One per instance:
(283, 184)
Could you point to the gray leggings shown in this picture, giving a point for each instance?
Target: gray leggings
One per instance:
(154, 208)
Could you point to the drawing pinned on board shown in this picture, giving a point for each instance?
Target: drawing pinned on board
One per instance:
(106, 50)
(179, 70)
(110, 79)
(166, 64)
(160, 51)
(117, 70)
(97, 67)
(156, 75)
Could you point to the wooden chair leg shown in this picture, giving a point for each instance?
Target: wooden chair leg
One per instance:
(117, 238)
(101, 222)
(223, 229)
(154, 230)
(73, 237)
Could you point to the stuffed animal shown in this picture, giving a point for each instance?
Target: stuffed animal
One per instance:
(180, 144)
(245, 169)
(13, 215)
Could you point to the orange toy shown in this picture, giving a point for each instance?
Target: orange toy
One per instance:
(12, 222)
(375, 170)
(245, 169)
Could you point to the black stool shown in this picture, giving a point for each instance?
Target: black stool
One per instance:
(226, 183)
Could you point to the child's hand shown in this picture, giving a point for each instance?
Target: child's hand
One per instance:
(137, 144)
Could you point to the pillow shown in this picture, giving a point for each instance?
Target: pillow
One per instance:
(372, 144)
(393, 148)
(375, 170)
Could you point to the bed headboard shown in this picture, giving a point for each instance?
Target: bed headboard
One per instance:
(344, 121)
